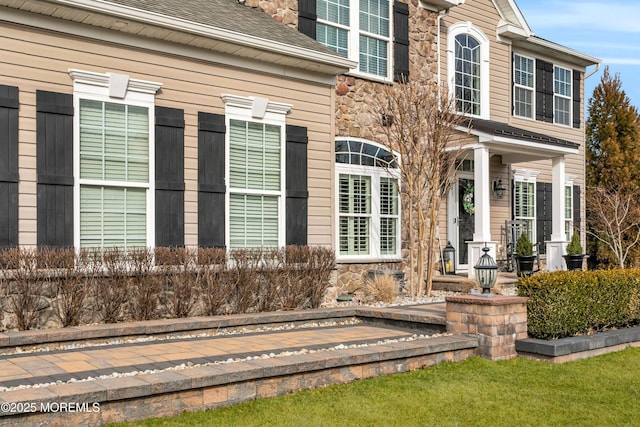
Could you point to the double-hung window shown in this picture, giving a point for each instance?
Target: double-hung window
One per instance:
(368, 201)
(562, 96)
(358, 30)
(114, 174)
(523, 86)
(255, 172)
(113, 197)
(524, 205)
(255, 185)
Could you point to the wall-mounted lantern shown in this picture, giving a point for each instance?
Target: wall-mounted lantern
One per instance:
(498, 189)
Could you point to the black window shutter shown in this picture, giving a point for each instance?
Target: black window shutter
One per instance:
(576, 208)
(54, 167)
(8, 166)
(540, 80)
(577, 77)
(307, 17)
(544, 214)
(169, 177)
(296, 186)
(211, 184)
(400, 41)
(544, 91)
(513, 84)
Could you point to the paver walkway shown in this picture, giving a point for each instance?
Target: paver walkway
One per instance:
(44, 367)
(176, 371)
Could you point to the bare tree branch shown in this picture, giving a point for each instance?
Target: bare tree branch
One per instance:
(614, 220)
(422, 129)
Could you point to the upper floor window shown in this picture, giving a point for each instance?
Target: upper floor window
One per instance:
(468, 68)
(368, 201)
(546, 92)
(523, 86)
(562, 96)
(467, 82)
(358, 30)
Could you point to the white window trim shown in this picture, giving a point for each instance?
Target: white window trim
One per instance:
(258, 110)
(557, 95)
(569, 181)
(527, 176)
(118, 89)
(469, 28)
(532, 88)
(375, 173)
(354, 32)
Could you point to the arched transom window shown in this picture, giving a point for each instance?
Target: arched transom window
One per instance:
(368, 202)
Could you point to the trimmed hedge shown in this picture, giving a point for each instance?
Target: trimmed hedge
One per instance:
(568, 303)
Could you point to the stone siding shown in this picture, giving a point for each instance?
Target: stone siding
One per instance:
(354, 96)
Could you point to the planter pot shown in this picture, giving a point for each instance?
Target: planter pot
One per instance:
(574, 262)
(524, 264)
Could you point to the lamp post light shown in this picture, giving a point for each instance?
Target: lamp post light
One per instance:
(486, 272)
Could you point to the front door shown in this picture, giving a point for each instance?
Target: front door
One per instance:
(462, 220)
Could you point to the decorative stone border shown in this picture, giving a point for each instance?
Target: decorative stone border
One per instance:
(581, 347)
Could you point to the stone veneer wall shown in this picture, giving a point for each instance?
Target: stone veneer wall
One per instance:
(354, 95)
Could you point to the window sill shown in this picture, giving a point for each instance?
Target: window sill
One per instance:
(368, 260)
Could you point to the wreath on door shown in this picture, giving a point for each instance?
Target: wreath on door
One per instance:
(467, 201)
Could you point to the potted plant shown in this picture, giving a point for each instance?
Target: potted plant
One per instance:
(524, 255)
(574, 255)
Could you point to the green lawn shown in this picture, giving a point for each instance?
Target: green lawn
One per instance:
(601, 391)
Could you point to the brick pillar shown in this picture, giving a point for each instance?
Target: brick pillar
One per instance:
(498, 321)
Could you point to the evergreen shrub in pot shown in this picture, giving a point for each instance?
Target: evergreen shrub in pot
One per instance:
(524, 255)
(574, 255)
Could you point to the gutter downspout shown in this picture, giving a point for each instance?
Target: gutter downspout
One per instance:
(441, 14)
(592, 71)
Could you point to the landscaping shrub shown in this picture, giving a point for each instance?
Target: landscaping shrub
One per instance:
(244, 275)
(69, 285)
(380, 287)
(318, 263)
(112, 287)
(214, 281)
(145, 286)
(177, 272)
(568, 303)
(22, 286)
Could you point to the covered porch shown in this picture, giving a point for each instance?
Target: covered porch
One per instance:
(502, 155)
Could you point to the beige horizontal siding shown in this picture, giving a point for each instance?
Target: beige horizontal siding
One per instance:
(483, 14)
(40, 60)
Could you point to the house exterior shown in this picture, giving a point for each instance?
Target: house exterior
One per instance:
(175, 123)
(214, 123)
(525, 100)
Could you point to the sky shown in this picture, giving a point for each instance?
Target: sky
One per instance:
(606, 29)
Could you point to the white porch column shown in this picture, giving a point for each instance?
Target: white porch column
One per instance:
(556, 246)
(482, 216)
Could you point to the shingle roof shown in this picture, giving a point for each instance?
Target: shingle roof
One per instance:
(228, 15)
(502, 129)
